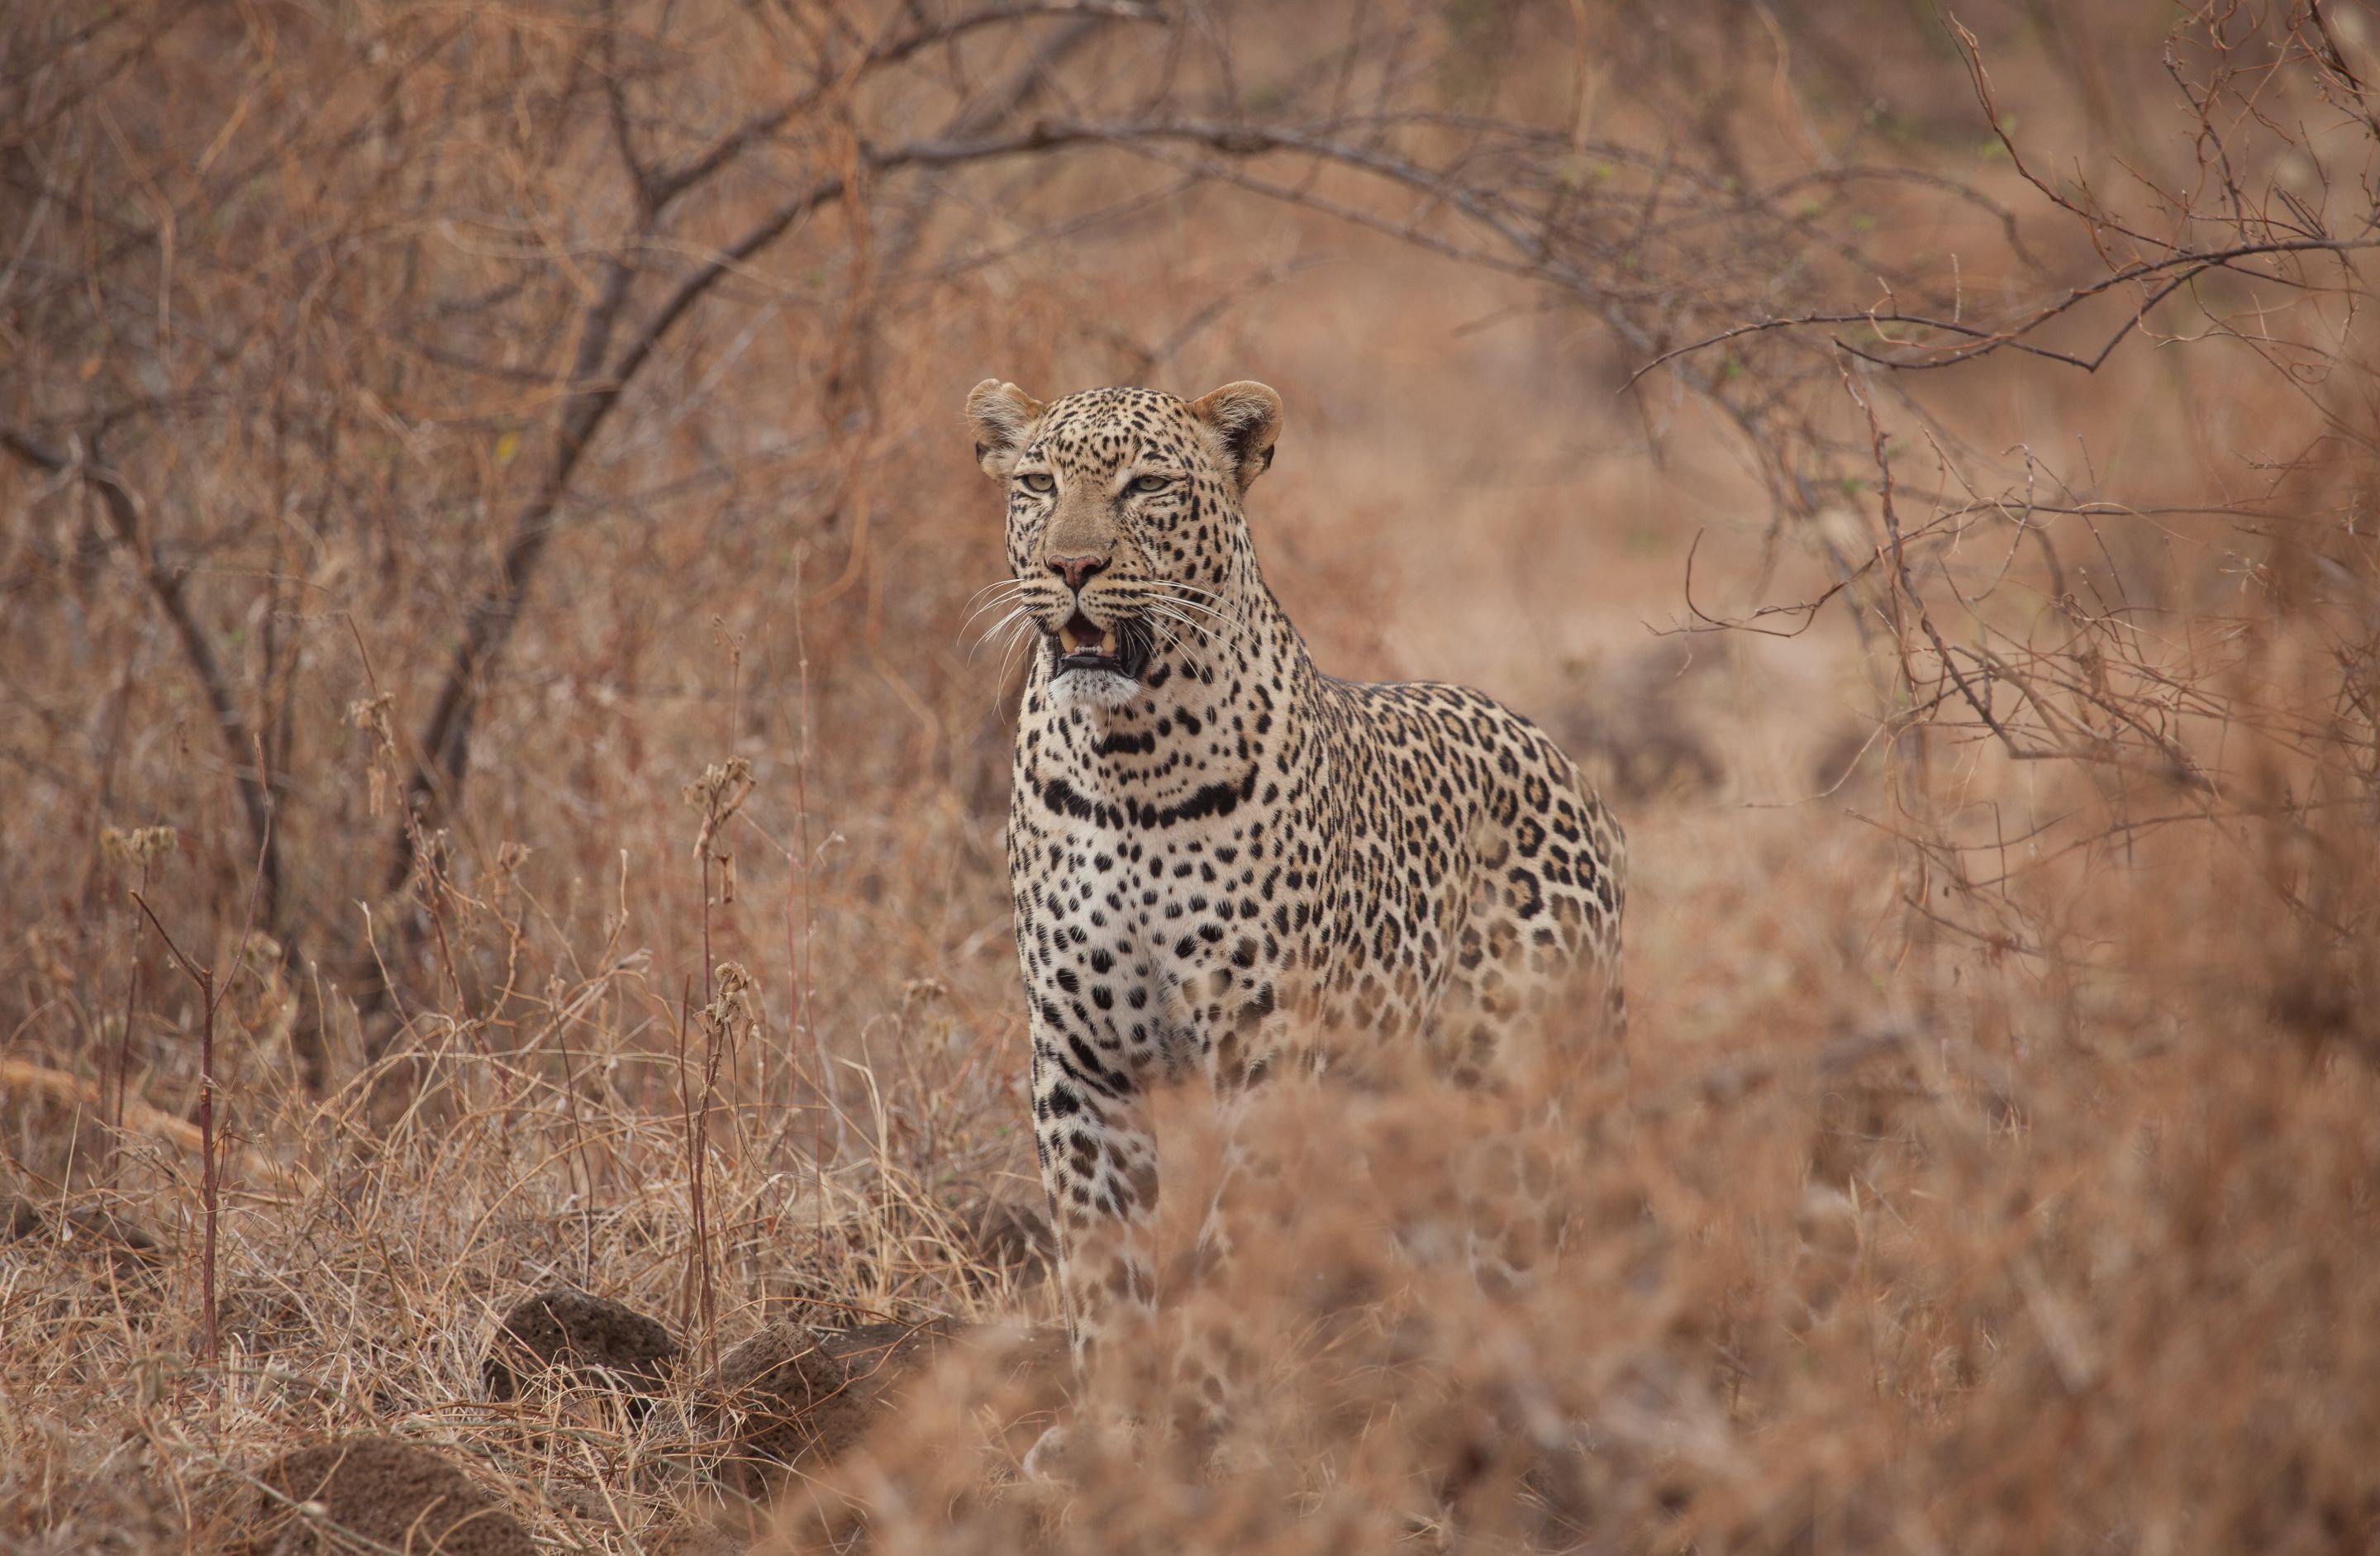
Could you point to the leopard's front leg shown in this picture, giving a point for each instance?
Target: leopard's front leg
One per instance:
(1098, 1154)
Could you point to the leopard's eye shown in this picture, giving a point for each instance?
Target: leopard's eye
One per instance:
(1038, 481)
(1144, 485)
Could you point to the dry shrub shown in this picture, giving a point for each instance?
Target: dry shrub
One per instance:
(436, 442)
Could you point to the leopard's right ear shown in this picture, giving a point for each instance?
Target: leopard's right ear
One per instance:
(1003, 416)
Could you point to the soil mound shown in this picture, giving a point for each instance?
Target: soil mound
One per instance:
(794, 1394)
(396, 1495)
(592, 1339)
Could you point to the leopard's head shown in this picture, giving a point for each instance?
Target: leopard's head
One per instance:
(1124, 527)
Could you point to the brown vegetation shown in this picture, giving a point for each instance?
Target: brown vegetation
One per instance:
(497, 796)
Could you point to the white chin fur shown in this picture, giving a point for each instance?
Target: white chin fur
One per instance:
(1092, 688)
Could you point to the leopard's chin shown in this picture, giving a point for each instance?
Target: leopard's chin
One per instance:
(1092, 688)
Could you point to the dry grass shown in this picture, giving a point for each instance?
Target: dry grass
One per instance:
(582, 797)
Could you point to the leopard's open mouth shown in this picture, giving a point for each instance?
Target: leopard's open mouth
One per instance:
(1083, 644)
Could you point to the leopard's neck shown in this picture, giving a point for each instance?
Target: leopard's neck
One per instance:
(1212, 716)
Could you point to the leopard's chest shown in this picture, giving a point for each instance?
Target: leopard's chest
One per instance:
(1148, 919)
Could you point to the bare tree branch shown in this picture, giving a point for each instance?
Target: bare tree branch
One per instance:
(165, 586)
(242, 751)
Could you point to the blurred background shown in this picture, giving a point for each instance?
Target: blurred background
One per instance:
(487, 533)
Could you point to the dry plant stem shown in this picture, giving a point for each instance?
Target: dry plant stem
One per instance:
(699, 1301)
(703, 1232)
(1909, 747)
(805, 1003)
(799, 1006)
(734, 703)
(204, 979)
(131, 1008)
(211, 994)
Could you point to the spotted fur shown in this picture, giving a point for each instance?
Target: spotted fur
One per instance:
(1216, 850)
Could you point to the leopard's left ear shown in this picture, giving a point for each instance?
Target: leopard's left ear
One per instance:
(1246, 415)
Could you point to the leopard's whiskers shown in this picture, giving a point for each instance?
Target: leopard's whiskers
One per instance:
(1020, 637)
(1162, 610)
(1012, 591)
(998, 628)
(1229, 626)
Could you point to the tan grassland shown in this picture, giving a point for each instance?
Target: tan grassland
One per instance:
(492, 744)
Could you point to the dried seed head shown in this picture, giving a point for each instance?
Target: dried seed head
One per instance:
(734, 1013)
(370, 714)
(510, 859)
(718, 793)
(140, 845)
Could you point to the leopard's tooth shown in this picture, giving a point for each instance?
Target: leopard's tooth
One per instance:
(1108, 642)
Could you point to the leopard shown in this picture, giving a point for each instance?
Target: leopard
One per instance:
(1225, 864)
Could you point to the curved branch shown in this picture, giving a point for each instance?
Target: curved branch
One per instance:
(668, 186)
(242, 749)
(1977, 341)
(123, 509)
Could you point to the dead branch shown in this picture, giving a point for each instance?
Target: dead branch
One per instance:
(166, 587)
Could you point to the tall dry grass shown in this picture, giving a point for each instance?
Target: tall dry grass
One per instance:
(488, 536)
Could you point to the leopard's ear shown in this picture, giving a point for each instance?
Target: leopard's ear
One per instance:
(1003, 416)
(1246, 415)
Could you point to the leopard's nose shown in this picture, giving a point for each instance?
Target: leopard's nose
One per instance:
(1077, 570)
